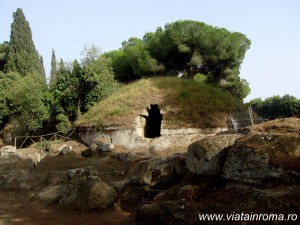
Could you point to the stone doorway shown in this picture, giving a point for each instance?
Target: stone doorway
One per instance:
(153, 122)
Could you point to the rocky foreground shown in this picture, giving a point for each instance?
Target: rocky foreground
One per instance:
(254, 171)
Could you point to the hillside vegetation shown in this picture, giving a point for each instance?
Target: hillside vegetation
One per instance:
(184, 102)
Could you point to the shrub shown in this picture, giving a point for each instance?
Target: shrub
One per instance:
(63, 124)
(277, 107)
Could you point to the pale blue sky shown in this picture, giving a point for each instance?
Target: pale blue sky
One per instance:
(271, 65)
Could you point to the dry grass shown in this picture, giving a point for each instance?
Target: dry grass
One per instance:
(279, 126)
(184, 103)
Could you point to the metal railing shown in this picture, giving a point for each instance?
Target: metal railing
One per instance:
(243, 119)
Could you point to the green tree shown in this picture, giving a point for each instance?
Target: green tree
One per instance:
(62, 67)
(139, 58)
(27, 99)
(237, 87)
(164, 49)
(53, 71)
(196, 47)
(23, 99)
(80, 86)
(120, 65)
(90, 53)
(77, 86)
(22, 56)
(7, 81)
(3, 54)
(43, 71)
(61, 98)
(134, 61)
(276, 107)
(188, 46)
(99, 81)
(63, 124)
(65, 92)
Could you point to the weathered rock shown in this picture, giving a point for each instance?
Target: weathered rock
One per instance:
(120, 185)
(17, 180)
(171, 140)
(57, 177)
(89, 195)
(282, 199)
(205, 156)
(64, 149)
(78, 189)
(8, 137)
(103, 144)
(148, 212)
(158, 171)
(8, 149)
(134, 196)
(51, 194)
(68, 187)
(244, 131)
(78, 172)
(35, 155)
(86, 172)
(128, 157)
(1, 143)
(128, 139)
(178, 212)
(7, 155)
(177, 144)
(189, 192)
(259, 158)
(170, 212)
(232, 197)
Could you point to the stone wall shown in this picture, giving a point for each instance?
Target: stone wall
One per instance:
(133, 139)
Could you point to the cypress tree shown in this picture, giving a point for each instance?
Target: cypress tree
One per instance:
(62, 68)
(22, 56)
(53, 72)
(43, 71)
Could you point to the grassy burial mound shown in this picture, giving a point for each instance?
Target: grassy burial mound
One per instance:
(184, 103)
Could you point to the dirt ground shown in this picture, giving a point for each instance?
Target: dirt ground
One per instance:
(17, 208)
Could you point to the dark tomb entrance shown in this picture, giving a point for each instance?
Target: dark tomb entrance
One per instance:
(153, 122)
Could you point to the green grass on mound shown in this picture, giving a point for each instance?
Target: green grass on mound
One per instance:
(185, 103)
